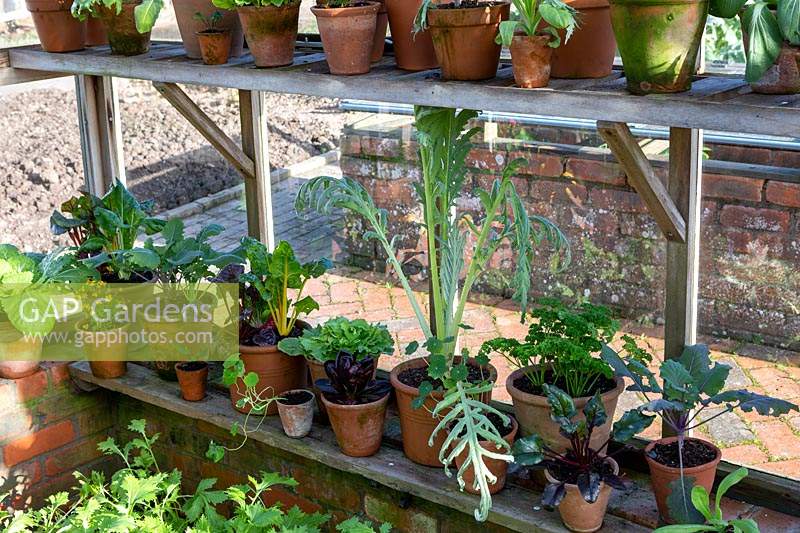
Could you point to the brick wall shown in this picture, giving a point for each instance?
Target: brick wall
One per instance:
(750, 280)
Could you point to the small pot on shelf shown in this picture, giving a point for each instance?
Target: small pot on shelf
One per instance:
(215, 46)
(589, 53)
(271, 33)
(348, 36)
(192, 378)
(277, 373)
(380, 33)
(497, 467)
(107, 359)
(123, 37)
(189, 24)
(296, 410)
(578, 514)
(358, 428)
(530, 59)
(57, 29)
(413, 51)
(13, 345)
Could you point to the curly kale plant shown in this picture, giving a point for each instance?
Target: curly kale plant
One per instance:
(352, 382)
(324, 342)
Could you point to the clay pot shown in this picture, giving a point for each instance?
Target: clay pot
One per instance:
(58, 30)
(530, 58)
(658, 41)
(784, 76)
(348, 35)
(497, 467)
(412, 51)
(576, 513)
(123, 37)
(95, 33)
(18, 369)
(464, 40)
(317, 371)
(271, 33)
(589, 53)
(188, 26)
(107, 360)
(417, 425)
(215, 47)
(297, 418)
(192, 377)
(14, 344)
(277, 373)
(358, 428)
(533, 413)
(379, 42)
(108, 369)
(661, 475)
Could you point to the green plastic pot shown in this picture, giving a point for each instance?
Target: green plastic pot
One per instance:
(658, 41)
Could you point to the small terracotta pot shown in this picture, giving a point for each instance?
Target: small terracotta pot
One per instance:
(317, 371)
(662, 475)
(13, 344)
(589, 53)
(530, 58)
(533, 413)
(496, 467)
(348, 35)
(358, 428)
(123, 37)
(188, 26)
(271, 33)
(215, 47)
(464, 40)
(113, 364)
(380, 34)
(95, 33)
(412, 51)
(18, 369)
(579, 515)
(784, 76)
(192, 377)
(108, 369)
(417, 425)
(58, 30)
(297, 418)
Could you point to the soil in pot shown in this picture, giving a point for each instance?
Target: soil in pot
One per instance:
(530, 59)
(296, 409)
(496, 467)
(464, 38)
(590, 51)
(412, 51)
(271, 32)
(348, 36)
(358, 428)
(215, 46)
(188, 26)
(700, 462)
(576, 513)
(192, 377)
(123, 37)
(57, 29)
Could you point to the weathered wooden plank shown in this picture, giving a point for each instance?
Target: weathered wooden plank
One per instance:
(643, 179)
(258, 190)
(14, 76)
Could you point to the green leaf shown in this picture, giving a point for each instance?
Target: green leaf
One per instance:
(437, 366)
(789, 20)
(250, 379)
(215, 452)
(138, 426)
(730, 480)
(425, 389)
(675, 375)
(747, 525)
(679, 501)
(529, 451)
(701, 502)
(412, 347)
(764, 40)
(506, 32)
(146, 14)
(561, 404)
(726, 8)
(631, 424)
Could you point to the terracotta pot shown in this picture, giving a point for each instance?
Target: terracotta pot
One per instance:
(123, 37)
(358, 428)
(658, 41)
(189, 26)
(192, 377)
(108, 369)
(380, 34)
(530, 58)
(496, 467)
(297, 418)
(533, 413)
(589, 53)
(15, 345)
(317, 371)
(412, 51)
(576, 513)
(348, 35)
(784, 76)
(271, 33)
(417, 425)
(661, 475)
(17, 369)
(58, 30)
(464, 40)
(215, 47)
(107, 360)
(95, 33)
(277, 373)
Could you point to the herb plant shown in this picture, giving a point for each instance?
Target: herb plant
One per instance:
(444, 143)
(209, 22)
(324, 342)
(351, 382)
(145, 14)
(537, 17)
(233, 4)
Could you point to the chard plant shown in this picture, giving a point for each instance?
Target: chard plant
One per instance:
(444, 143)
(324, 342)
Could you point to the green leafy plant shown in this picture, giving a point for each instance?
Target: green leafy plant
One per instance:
(713, 518)
(145, 14)
(233, 4)
(356, 525)
(444, 143)
(539, 17)
(209, 22)
(324, 342)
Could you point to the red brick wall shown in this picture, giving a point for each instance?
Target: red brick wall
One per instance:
(750, 272)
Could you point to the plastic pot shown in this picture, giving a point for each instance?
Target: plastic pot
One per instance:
(576, 513)
(296, 418)
(271, 33)
(123, 37)
(589, 53)
(412, 52)
(348, 36)
(192, 377)
(464, 40)
(497, 467)
(358, 428)
(58, 30)
(530, 59)
(188, 26)
(215, 47)
(658, 41)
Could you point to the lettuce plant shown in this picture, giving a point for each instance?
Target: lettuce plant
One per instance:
(444, 144)
(324, 342)
(351, 382)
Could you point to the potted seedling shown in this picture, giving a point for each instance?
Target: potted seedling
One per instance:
(560, 350)
(356, 403)
(270, 28)
(127, 22)
(580, 478)
(691, 388)
(533, 36)
(105, 342)
(57, 29)
(445, 376)
(464, 36)
(347, 30)
(215, 42)
(296, 410)
(189, 24)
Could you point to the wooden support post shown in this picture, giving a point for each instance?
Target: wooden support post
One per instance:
(258, 189)
(101, 132)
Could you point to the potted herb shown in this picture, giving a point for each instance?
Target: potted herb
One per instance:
(127, 22)
(533, 36)
(270, 27)
(215, 42)
(296, 410)
(580, 478)
(594, 35)
(57, 29)
(189, 24)
(347, 30)
(560, 350)
(356, 403)
(445, 377)
(463, 33)
(192, 378)
(691, 386)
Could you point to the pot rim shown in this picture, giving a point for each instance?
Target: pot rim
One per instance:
(588, 4)
(511, 435)
(47, 6)
(614, 464)
(352, 11)
(213, 32)
(416, 362)
(653, 3)
(304, 404)
(256, 350)
(542, 400)
(498, 4)
(690, 470)
(357, 407)
(179, 363)
(256, 9)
